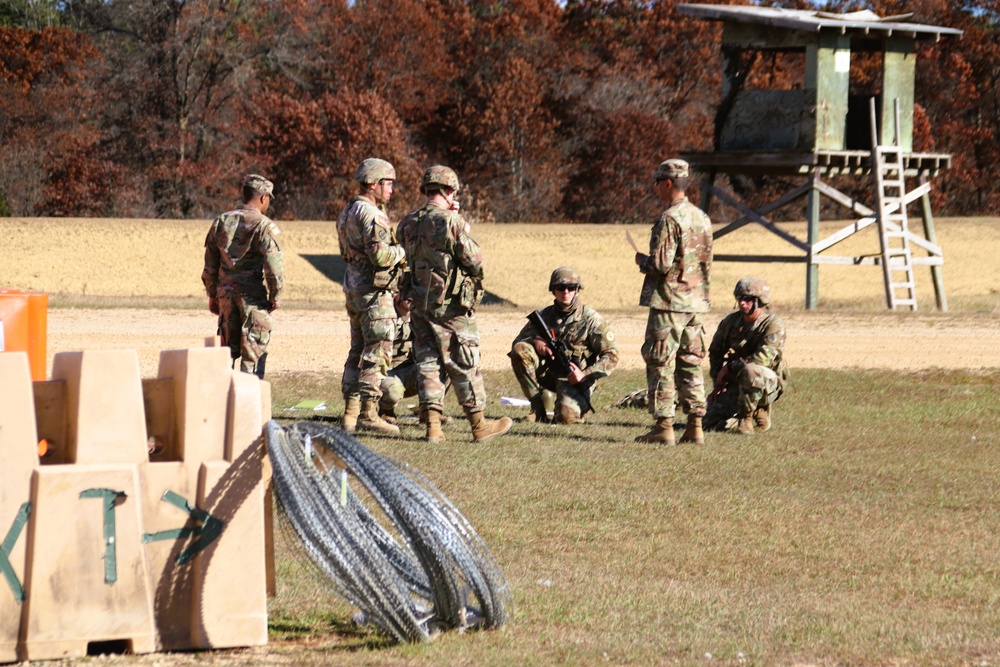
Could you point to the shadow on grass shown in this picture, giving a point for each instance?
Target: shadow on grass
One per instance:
(331, 266)
(351, 636)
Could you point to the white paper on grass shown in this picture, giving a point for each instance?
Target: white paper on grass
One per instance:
(308, 404)
(518, 402)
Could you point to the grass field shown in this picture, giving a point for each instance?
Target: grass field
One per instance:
(864, 532)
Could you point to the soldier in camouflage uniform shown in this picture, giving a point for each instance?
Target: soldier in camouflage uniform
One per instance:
(675, 288)
(374, 261)
(243, 275)
(401, 380)
(589, 342)
(746, 361)
(445, 286)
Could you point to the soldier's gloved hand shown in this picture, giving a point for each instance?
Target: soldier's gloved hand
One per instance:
(213, 305)
(541, 348)
(660, 349)
(576, 376)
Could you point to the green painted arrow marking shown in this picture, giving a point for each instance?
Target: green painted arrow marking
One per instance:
(7, 546)
(205, 534)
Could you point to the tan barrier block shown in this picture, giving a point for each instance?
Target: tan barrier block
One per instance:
(18, 459)
(272, 582)
(230, 573)
(105, 415)
(186, 414)
(171, 583)
(87, 576)
(201, 379)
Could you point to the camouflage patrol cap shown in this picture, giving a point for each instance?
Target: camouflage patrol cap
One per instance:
(756, 287)
(564, 275)
(673, 168)
(258, 183)
(373, 170)
(441, 176)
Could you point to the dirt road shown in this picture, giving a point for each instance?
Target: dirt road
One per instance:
(318, 340)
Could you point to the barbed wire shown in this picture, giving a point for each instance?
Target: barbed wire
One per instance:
(440, 575)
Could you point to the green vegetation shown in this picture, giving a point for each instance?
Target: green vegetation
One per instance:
(863, 529)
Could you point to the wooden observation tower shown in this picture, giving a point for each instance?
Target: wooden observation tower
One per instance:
(819, 130)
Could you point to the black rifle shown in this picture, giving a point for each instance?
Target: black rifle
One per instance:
(562, 360)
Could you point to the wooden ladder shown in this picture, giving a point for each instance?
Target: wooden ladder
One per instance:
(894, 232)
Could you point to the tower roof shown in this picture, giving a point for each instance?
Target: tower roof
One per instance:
(865, 22)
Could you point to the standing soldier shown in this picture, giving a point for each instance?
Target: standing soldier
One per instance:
(243, 275)
(445, 285)
(675, 288)
(746, 359)
(374, 261)
(589, 343)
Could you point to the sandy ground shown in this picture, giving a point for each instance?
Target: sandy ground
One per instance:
(160, 262)
(308, 340)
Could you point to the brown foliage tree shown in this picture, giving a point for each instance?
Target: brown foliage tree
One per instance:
(547, 111)
(510, 138)
(45, 96)
(177, 74)
(312, 148)
(641, 90)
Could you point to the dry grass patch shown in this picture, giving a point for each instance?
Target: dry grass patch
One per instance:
(160, 261)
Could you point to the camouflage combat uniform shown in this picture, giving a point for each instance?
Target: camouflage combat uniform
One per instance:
(373, 260)
(445, 286)
(757, 373)
(243, 270)
(401, 380)
(590, 343)
(675, 288)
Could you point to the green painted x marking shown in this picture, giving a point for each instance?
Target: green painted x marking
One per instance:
(205, 534)
(7, 546)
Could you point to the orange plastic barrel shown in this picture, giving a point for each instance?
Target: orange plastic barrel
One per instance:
(24, 317)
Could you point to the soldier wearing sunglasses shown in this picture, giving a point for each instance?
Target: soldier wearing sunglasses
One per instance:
(589, 344)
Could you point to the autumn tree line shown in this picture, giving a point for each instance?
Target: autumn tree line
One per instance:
(548, 111)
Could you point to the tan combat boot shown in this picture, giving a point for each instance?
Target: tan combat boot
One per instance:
(745, 425)
(422, 415)
(369, 420)
(352, 408)
(693, 432)
(484, 429)
(762, 417)
(662, 432)
(388, 414)
(432, 418)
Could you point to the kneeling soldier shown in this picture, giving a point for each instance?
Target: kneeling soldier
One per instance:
(582, 335)
(746, 362)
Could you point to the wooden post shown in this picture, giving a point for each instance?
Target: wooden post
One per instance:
(812, 269)
(936, 271)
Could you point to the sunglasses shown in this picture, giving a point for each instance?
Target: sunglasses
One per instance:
(566, 288)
